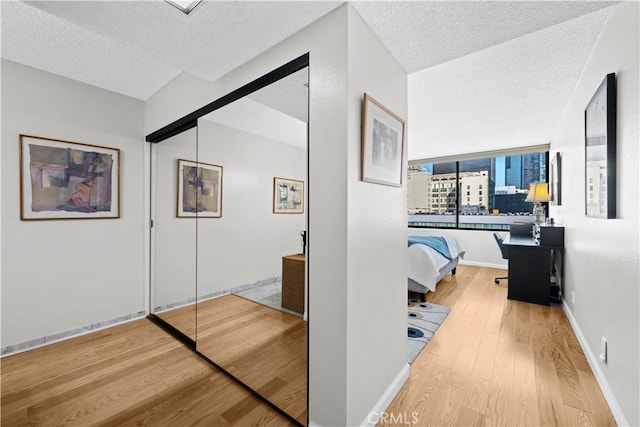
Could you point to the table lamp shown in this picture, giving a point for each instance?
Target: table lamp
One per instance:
(538, 193)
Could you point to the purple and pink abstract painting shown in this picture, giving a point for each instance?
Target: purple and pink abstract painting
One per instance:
(68, 180)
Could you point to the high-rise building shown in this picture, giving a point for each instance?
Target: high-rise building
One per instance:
(513, 170)
(533, 169)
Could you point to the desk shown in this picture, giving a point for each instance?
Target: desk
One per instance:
(530, 269)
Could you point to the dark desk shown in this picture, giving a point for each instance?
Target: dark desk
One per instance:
(531, 269)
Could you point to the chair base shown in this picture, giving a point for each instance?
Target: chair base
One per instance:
(497, 280)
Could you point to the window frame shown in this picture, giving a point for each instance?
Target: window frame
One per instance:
(464, 157)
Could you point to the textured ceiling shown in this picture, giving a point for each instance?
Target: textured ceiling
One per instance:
(522, 59)
(136, 47)
(421, 34)
(510, 95)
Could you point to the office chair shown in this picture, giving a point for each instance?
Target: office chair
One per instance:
(504, 250)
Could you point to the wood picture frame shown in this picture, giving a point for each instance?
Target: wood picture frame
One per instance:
(382, 144)
(68, 180)
(555, 180)
(288, 196)
(199, 190)
(600, 151)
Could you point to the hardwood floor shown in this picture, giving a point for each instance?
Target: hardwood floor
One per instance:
(497, 362)
(182, 318)
(263, 347)
(492, 362)
(132, 374)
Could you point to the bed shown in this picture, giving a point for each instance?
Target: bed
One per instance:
(431, 257)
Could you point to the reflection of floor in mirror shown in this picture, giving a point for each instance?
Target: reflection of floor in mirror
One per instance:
(263, 347)
(130, 374)
(182, 318)
(269, 294)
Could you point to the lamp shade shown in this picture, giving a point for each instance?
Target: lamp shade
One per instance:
(538, 192)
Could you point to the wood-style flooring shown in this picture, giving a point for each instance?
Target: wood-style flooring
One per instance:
(128, 375)
(263, 347)
(498, 362)
(492, 362)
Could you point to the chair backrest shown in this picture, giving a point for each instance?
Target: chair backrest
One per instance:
(504, 250)
(521, 229)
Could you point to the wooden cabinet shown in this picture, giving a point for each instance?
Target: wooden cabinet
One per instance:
(293, 275)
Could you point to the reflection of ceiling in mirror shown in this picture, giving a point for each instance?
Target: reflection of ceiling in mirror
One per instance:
(256, 118)
(289, 95)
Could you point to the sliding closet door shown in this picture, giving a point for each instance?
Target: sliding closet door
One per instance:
(174, 232)
(255, 152)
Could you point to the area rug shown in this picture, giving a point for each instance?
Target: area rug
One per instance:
(424, 320)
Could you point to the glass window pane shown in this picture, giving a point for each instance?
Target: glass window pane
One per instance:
(495, 187)
(427, 206)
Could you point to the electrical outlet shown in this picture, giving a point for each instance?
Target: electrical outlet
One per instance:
(573, 297)
(603, 350)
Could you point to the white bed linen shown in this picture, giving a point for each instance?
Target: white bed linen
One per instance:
(426, 264)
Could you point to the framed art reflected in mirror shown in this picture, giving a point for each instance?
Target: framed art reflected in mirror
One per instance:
(199, 190)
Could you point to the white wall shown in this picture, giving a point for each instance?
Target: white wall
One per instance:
(247, 244)
(334, 120)
(602, 256)
(468, 105)
(63, 275)
(174, 239)
(376, 237)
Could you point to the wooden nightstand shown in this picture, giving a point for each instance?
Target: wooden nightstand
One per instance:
(293, 282)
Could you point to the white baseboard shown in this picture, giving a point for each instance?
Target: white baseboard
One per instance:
(386, 398)
(615, 407)
(483, 264)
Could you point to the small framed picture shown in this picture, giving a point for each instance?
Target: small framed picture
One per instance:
(68, 180)
(288, 196)
(382, 144)
(199, 190)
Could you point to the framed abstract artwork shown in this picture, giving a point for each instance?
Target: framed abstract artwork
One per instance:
(382, 144)
(199, 190)
(68, 180)
(600, 151)
(288, 196)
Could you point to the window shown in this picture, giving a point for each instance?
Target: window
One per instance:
(496, 188)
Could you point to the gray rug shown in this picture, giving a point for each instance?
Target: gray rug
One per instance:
(270, 295)
(423, 322)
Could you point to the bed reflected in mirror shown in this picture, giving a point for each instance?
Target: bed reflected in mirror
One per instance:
(250, 264)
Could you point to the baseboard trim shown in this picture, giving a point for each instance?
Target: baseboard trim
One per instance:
(386, 398)
(483, 264)
(12, 349)
(615, 407)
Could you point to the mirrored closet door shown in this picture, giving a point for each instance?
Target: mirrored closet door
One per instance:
(251, 319)
(229, 213)
(173, 249)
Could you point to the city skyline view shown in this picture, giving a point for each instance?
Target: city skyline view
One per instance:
(492, 191)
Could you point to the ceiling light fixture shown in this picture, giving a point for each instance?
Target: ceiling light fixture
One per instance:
(185, 6)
